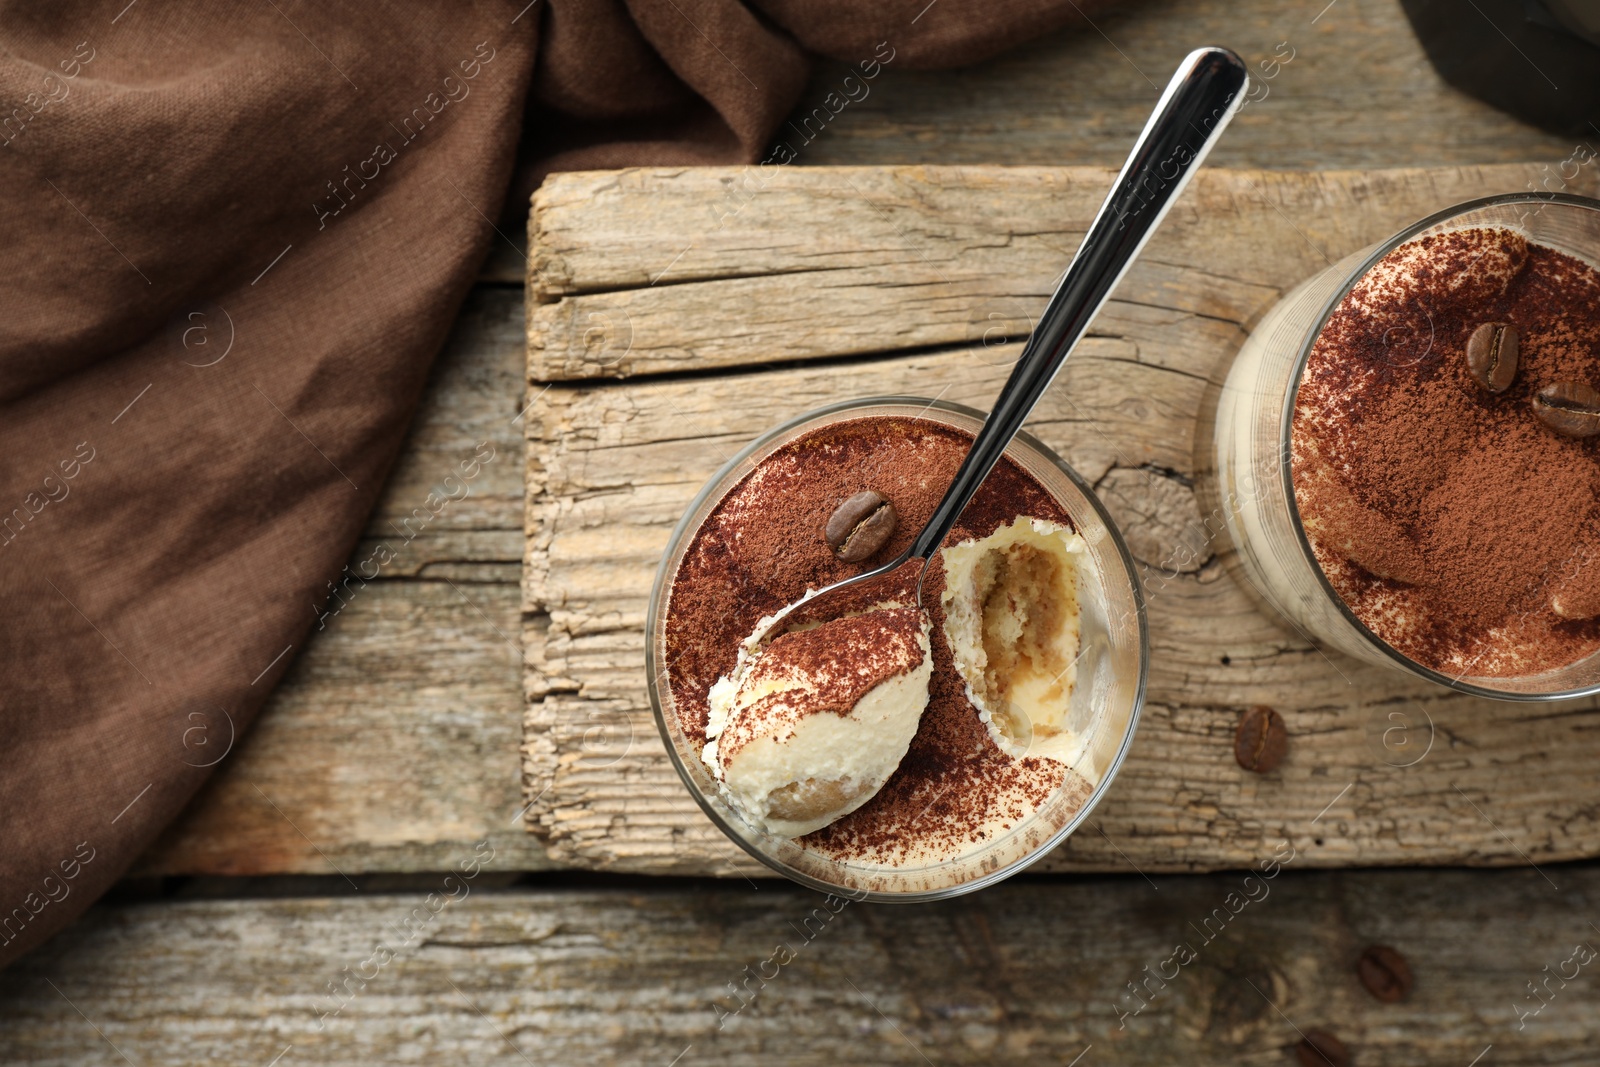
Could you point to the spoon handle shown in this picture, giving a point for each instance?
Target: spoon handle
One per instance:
(1199, 101)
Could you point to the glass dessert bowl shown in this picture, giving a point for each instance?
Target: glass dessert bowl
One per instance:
(1407, 450)
(1031, 654)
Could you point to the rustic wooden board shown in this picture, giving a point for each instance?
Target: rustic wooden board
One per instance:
(1026, 973)
(612, 466)
(653, 271)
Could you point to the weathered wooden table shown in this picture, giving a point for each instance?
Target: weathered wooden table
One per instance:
(252, 934)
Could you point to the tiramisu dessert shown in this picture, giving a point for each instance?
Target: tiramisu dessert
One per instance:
(1445, 453)
(888, 735)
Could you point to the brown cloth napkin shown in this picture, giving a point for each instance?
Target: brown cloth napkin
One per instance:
(233, 238)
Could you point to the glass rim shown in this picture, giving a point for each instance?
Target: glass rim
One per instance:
(1045, 847)
(1286, 428)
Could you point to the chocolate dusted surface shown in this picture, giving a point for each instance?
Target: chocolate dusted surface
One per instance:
(762, 547)
(1447, 518)
(843, 659)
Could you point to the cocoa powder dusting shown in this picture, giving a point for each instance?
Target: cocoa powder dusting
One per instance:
(762, 547)
(1493, 505)
(844, 659)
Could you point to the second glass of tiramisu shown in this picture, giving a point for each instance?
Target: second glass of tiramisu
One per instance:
(1408, 450)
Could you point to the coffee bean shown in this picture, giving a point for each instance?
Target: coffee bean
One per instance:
(1385, 973)
(1261, 740)
(1571, 409)
(1318, 1048)
(848, 515)
(860, 526)
(1492, 356)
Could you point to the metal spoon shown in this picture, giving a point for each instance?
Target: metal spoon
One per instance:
(1199, 101)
